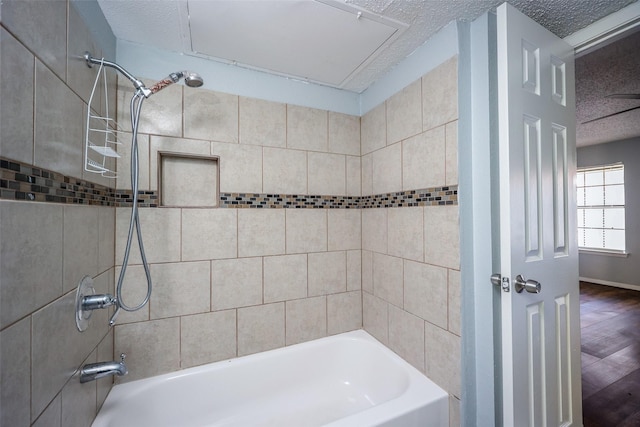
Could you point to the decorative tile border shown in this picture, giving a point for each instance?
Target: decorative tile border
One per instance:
(25, 182)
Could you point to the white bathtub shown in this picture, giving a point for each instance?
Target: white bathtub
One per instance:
(344, 380)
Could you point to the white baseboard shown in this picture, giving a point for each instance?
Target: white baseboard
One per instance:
(609, 283)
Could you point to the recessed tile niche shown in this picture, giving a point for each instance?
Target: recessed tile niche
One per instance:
(188, 181)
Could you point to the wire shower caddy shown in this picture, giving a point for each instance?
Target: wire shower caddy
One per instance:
(104, 132)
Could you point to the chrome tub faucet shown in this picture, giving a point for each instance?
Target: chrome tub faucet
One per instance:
(94, 371)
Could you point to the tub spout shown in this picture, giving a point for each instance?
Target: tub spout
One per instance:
(94, 371)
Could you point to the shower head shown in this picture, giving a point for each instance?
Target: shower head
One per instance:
(191, 79)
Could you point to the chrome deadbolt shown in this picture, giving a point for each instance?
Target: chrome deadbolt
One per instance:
(531, 286)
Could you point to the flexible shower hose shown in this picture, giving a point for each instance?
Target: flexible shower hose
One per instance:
(134, 222)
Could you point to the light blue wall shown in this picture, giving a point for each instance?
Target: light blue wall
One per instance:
(606, 268)
(157, 64)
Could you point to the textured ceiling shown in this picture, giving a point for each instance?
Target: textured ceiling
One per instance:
(164, 23)
(613, 69)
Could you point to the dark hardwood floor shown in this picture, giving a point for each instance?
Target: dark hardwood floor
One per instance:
(610, 325)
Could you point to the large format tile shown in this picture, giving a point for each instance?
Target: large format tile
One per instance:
(387, 169)
(327, 273)
(15, 387)
(207, 337)
(285, 277)
(306, 319)
(236, 283)
(375, 317)
(405, 233)
(306, 230)
(80, 246)
(160, 232)
(442, 236)
(209, 234)
(374, 129)
(16, 108)
(263, 122)
(307, 128)
(423, 160)
(261, 328)
(327, 174)
(31, 262)
(284, 171)
(261, 232)
(442, 356)
(152, 348)
(210, 115)
(374, 230)
(345, 231)
(344, 134)
(406, 336)
(440, 94)
(180, 289)
(240, 167)
(344, 312)
(425, 292)
(161, 113)
(387, 278)
(404, 113)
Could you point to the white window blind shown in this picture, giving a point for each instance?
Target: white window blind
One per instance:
(601, 208)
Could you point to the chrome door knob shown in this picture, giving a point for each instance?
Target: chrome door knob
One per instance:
(531, 286)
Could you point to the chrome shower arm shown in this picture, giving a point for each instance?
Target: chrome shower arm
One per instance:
(137, 83)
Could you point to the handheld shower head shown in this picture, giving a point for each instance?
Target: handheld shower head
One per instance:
(191, 79)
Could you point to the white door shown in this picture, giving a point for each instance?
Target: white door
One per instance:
(540, 331)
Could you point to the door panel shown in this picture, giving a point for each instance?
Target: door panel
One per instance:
(540, 331)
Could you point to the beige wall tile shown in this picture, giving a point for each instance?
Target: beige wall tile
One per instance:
(374, 230)
(306, 230)
(455, 312)
(31, 261)
(80, 248)
(209, 234)
(106, 238)
(344, 229)
(240, 167)
(404, 113)
(387, 169)
(406, 232)
(261, 232)
(284, 171)
(236, 283)
(177, 175)
(354, 270)
(57, 349)
(261, 328)
(152, 348)
(79, 400)
(52, 416)
(454, 412)
(344, 312)
(123, 163)
(161, 113)
(160, 231)
(344, 134)
(442, 354)
(134, 291)
(451, 156)
(442, 236)
(423, 160)
(172, 145)
(440, 94)
(58, 140)
(406, 336)
(425, 292)
(180, 289)
(210, 115)
(306, 319)
(374, 129)
(16, 108)
(263, 122)
(42, 27)
(367, 271)
(354, 177)
(15, 388)
(207, 337)
(388, 278)
(375, 317)
(307, 128)
(327, 273)
(79, 77)
(327, 174)
(367, 174)
(285, 277)
(104, 385)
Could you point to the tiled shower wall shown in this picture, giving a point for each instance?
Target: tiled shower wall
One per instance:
(48, 247)
(230, 281)
(410, 255)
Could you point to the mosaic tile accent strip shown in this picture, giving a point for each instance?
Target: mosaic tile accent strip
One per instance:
(25, 182)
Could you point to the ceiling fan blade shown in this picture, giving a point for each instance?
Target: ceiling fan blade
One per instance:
(611, 115)
(624, 95)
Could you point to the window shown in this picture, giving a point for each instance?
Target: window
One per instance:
(601, 208)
